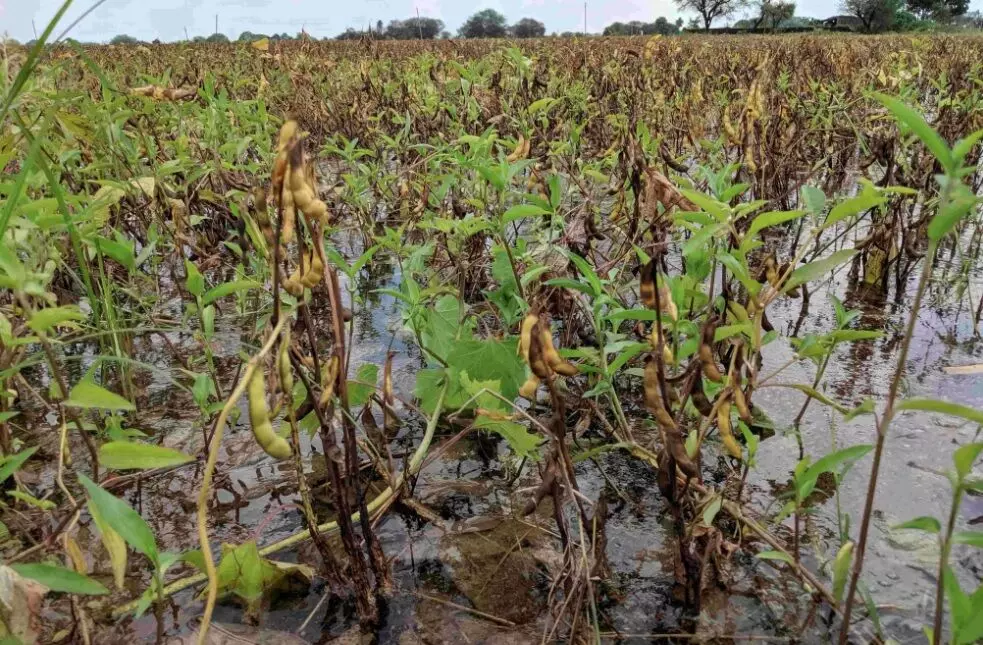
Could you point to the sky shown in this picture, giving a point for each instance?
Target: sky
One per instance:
(168, 19)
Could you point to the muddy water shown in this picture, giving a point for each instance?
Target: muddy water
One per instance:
(479, 556)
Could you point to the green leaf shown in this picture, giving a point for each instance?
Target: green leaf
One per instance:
(60, 579)
(629, 352)
(814, 198)
(965, 457)
(632, 314)
(853, 206)
(122, 518)
(711, 510)
(540, 105)
(924, 523)
(195, 283)
(961, 200)
(127, 455)
(772, 218)
(810, 392)
(567, 283)
(522, 211)
(935, 143)
(834, 462)
(739, 271)
(944, 407)
(586, 270)
(971, 538)
(12, 463)
(819, 268)
(489, 360)
(711, 206)
(774, 555)
(965, 145)
(359, 393)
(121, 252)
(87, 394)
(44, 319)
(850, 335)
(520, 440)
(228, 288)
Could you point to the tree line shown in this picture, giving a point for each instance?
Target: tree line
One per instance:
(859, 15)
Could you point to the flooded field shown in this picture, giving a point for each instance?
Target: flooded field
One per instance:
(536, 364)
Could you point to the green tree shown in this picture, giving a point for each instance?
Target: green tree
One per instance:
(711, 10)
(875, 15)
(217, 38)
(123, 39)
(484, 24)
(940, 10)
(771, 13)
(414, 28)
(528, 28)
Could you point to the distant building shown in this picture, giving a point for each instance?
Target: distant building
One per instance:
(843, 23)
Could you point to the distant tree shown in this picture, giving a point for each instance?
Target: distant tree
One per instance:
(484, 24)
(123, 39)
(571, 34)
(528, 28)
(414, 28)
(217, 38)
(444, 35)
(378, 26)
(248, 37)
(350, 34)
(636, 27)
(711, 10)
(941, 10)
(771, 13)
(875, 15)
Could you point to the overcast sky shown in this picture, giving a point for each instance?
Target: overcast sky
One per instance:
(167, 19)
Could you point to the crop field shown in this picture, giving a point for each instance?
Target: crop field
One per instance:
(579, 340)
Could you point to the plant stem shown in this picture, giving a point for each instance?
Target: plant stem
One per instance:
(943, 564)
(882, 429)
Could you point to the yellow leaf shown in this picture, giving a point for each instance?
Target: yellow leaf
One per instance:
(75, 555)
(114, 544)
(263, 44)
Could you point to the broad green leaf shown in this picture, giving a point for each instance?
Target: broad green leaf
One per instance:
(924, 523)
(522, 211)
(832, 463)
(774, 555)
(359, 392)
(127, 455)
(944, 407)
(228, 288)
(87, 394)
(740, 271)
(819, 268)
(520, 440)
(814, 198)
(965, 145)
(932, 140)
(12, 463)
(965, 457)
(195, 282)
(44, 319)
(853, 206)
(850, 335)
(122, 518)
(726, 331)
(711, 206)
(772, 218)
(60, 579)
(489, 360)
(121, 252)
